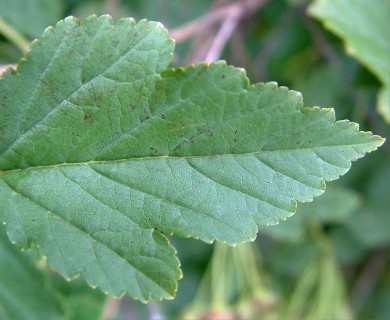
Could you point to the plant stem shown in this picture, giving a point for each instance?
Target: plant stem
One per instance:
(218, 275)
(14, 36)
(206, 21)
(302, 292)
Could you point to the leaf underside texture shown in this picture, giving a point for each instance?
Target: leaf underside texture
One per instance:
(104, 151)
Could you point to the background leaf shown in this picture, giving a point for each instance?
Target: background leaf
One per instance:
(24, 293)
(30, 17)
(365, 28)
(369, 225)
(336, 205)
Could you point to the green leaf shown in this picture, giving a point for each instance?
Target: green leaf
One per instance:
(23, 293)
(104, 151)
(365, 28)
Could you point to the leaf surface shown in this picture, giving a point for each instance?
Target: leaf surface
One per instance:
(365, 28)
(104, 151)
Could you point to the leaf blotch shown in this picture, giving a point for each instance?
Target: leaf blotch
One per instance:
(145, 118)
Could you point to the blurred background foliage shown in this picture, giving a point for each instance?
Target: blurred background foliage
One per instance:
(331, 259)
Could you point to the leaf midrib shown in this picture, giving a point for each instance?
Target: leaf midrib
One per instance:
(70, 164)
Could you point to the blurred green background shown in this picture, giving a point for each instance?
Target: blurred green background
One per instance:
(330, 260)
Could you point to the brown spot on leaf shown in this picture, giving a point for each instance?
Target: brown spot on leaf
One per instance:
(145, 118)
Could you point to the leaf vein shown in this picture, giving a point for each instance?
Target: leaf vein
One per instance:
(55, 108)
(148, 193)
(97, 199)
(236, 190)
(269, 165)
(85, 233)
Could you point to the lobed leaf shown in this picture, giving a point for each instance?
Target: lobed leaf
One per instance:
(104, 151)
